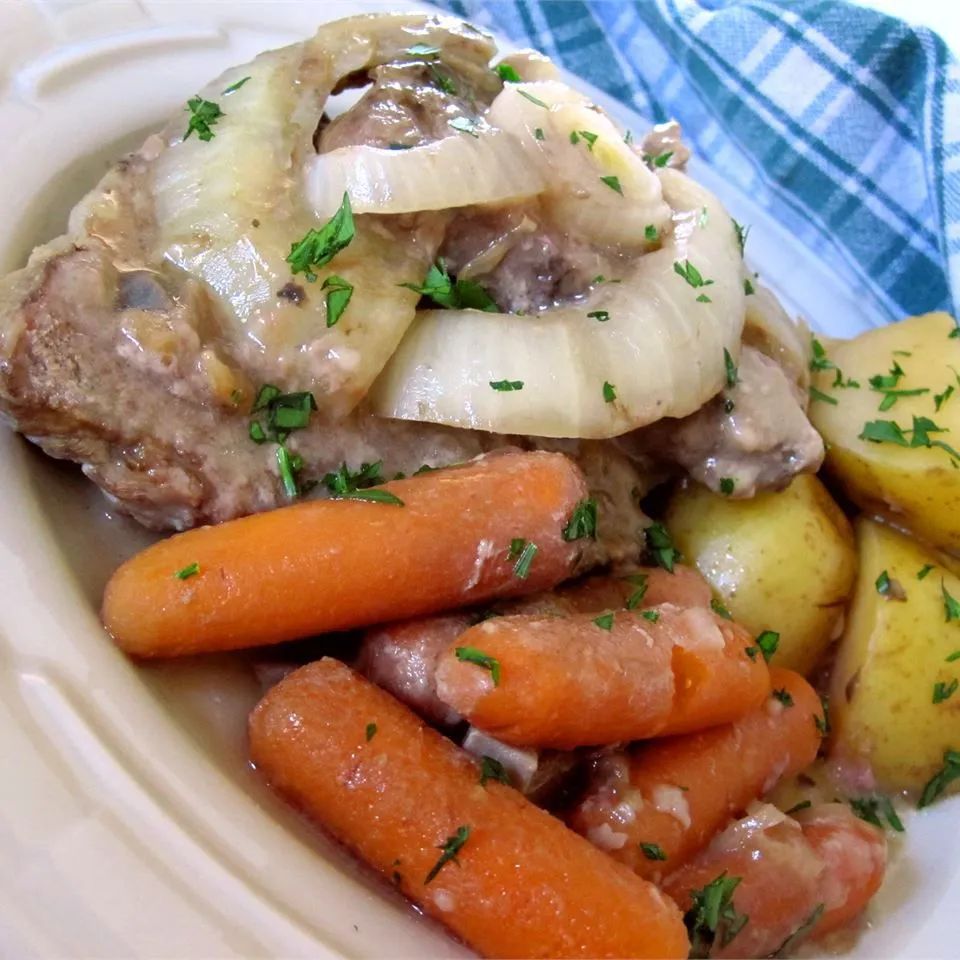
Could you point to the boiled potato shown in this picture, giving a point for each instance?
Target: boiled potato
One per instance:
(915, 487)
(892, 654)
(781, 561)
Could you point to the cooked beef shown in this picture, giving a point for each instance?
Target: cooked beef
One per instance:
(666, 138)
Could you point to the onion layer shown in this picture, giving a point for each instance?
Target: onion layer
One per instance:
(459, 170)
(654, 338)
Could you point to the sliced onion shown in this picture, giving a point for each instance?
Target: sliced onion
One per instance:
(532, 65)
(577, 146)
(779, 336)
(456, 171)
(661, 349)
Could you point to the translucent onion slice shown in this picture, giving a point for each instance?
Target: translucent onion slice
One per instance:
(659, 348)
(781, 337)
(457, 171)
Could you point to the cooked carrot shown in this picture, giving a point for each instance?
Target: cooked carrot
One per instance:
(490, 528)
(503, 875)
(402, 657)
(668, 798)
(779, 879)
(585, 680)
(855, 855)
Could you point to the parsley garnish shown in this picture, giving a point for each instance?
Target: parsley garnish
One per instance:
(523, 551)
(506, 386)
(507, 73)
(944, 691)
(741, 233)
(816, 394)
(651, 233)
(285, 412)
(731, 368)
(951, 608)
(609, 392)
(288, 466)
(883, 431)
(639, 582)
(748, 287)
(766, 643)
(538, 133)
(480, 659)
(532, 98)
(371, 731)
(882, 583)
(319, 247)
(652, 615)
(189, 571)
(783, 695)
(797, 807)
(787, 947)
(444, 291)
(941, 779)
(601, 316)
(887, 431)
(939, 399)
(712, 917)
(491, 769)
(690, 273)
(726, 485)
(346, 480)
(719, 609)
(450, 847)
(653, 851)
(234, 87)
(339, 292)
(952, 656)
(658, 160)
(464, 125)
(613, 183)
(587, 136)
(373, 496)
(660, 546)
(582, 522)
(204, 115)
(924, 570)
(604, 621)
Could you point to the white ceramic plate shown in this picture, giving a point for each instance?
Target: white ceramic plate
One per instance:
(130, 825)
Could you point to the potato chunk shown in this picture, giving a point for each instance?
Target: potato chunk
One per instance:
(915, 486)
(892, 658)
(780, 561)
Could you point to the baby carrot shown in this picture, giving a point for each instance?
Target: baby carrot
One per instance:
(779, 882)
(585, 680)
(489, 528)
(657, 804)
(500, 873)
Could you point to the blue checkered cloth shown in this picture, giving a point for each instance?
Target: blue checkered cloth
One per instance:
(843, 122)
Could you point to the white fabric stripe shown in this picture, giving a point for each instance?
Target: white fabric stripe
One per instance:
(764, 46)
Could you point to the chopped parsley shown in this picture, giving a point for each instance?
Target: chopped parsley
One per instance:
(373, 496)
(783, 695)
(480, 659)
(523, 551)
(951, 608)
(538, 133)
(652, 615)
(887, 381)
(534, 100)
(491, 769)
(191, 570)
(346, 480)
(942, 779)
(766, 643)
(883, 431)
(582, 522)
(609, 392)
(508, 74)
(924, 570)
(726, 485)
(604, 621)
(319, 247)
(741, 232)
(465, 125)
(371, 731)
(587, 136)
(660, 546)
(613, 183)
(952, 656)
(651, 233)
(712, 917)
(601, 316)
(204, 114)
(816, 394)
(748, 287)
(703, 298)
(797, 807)
(939, 399)
(719, 609)
(445, 291)
(289, 467)
(731, 369)
(887, 431)
(285, 412)
(882, 583)
(450, 847)
(944, 691)
(690, 273)
(652, 851)
(819, 359)
(234, 87)
(658, 160)
(639, 582)
(794, 940)
(339, 292)
(506, 386)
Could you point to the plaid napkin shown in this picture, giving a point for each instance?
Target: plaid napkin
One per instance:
(843, 122)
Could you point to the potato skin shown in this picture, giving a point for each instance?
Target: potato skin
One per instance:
(913, 487)
(780, 561)
(891, 655)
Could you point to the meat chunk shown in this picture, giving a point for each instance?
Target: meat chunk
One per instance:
(755, 434)
(666, 138)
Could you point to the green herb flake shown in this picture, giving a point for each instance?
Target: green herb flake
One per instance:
(319, 247)
(716, 605)
(234, 87)
(480, 659)
(613, 183)
(939, 399)
(204, 114)
(534, 100)
(506, 386)
(690, 274)
(731, 368)
(712, 917)
(944, 691)
(660, 546)
(748, 287)
(783, 696)
(286, 467)
(652, 615)
(604, 621)
(883, 431)
(816, 394)
(373, 496)
(766, 643)
(257, 433)
(444, 291)
(652, 851)
(703, 298)
(346, 480)
(951, 608)
(650, 233)
(583, 521)
(727, 485)
(450, 847)
(339, 292)
(523, 551)
(639, 582)
(950, 658)
(371, 731)
(786, 949)
(924, 570)
(491, 769)
(797, 807)
(191, 570)
(601, 316)
(942, 779)
(609, 392)
(882, 583)
(508, 74)
(538, 134)
(741, 232)
(659, 160)
(589, 138)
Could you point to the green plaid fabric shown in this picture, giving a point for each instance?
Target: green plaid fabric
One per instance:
(844, 123)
